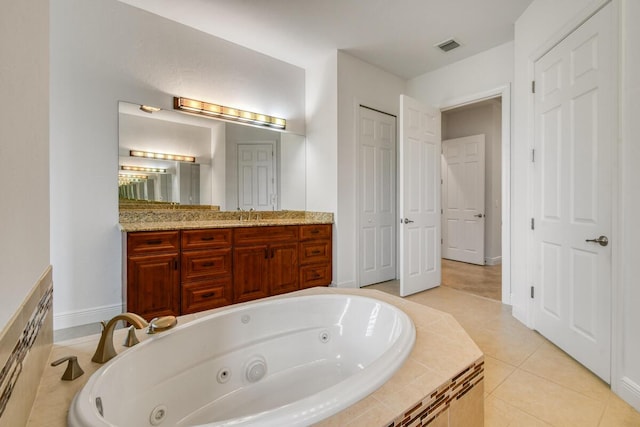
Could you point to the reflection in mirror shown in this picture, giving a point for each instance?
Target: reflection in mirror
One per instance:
(236, 166)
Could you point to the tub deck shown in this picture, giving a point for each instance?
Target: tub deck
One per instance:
(440, 384)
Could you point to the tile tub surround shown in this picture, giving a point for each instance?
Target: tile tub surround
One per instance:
(440, 384)
(166, 219)
(25, 345)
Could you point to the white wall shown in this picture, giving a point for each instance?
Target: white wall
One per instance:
(628, 377)
(359, 83)
(483, 118)
(102, 52)
(293, 180)
(24, 151)
(322, 134)
(322, 141)
(542, 22)
(477, 74)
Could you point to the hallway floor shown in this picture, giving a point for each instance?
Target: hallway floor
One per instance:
(481, 280)
(528, 380)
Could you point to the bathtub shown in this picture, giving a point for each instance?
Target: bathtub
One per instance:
(280, 362)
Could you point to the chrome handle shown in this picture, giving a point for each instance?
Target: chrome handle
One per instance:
(478, 215)
(407, 221)
(602, 240)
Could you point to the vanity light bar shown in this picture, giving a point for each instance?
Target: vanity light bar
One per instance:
(141, 169)
(125, 179)
(162, 156)
(214, 110)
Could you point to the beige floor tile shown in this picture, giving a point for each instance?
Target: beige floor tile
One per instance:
(555, 365)
(495, 372)
(480, 280)
(509, 347)
(548, 401)
(498, 413)
(619, 414)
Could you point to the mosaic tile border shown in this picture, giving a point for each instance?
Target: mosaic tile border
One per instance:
(13, 367)
(437, 403)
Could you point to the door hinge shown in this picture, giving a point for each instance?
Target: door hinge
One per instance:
(532, 292)
(442, 241)
(441, 211)
(533, 86)
(533, 155)
(533, 224)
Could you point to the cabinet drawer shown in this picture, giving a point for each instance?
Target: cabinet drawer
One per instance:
(152, 241)
(207, 263)
(256, 235)
(206, 238)
(315, 275)
(205, 295)
(315, 252)
(319, 231)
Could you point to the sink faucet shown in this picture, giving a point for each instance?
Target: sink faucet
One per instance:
(105, 350)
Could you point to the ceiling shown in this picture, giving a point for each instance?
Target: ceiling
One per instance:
(395, 35)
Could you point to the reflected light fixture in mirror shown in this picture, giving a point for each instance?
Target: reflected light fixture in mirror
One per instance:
(214, 110)
(162, 156)
(127, 179)
(142, 169)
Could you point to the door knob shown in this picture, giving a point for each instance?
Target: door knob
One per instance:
(478, 215)
(602, 240)
(407, 221)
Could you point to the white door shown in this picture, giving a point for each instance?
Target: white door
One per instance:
(463, 215)
(419, 197)
(574, 138)
(256, 180)
(377, 194)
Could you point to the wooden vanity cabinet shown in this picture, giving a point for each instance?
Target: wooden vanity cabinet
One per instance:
(265, 261)
(206, 261)
(315, 255)
(180, 272)
(153, 274)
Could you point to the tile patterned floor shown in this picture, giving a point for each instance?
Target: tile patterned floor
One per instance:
(528, 380)
(485, 281)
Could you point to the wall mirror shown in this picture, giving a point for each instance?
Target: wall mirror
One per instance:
(230, 165)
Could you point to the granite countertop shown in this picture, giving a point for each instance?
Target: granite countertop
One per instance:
(189, 225)
(164, 219)
(441, 350)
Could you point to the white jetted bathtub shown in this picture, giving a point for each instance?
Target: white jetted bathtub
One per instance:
(281, 362)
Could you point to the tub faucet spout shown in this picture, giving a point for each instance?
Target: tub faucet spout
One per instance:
(105, 350)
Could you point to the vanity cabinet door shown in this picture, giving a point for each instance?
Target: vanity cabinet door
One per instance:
(283, 268)
(250, 272)
(153, 285)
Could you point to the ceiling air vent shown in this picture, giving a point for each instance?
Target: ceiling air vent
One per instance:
(448, 45)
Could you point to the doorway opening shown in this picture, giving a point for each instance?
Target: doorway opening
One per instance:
(501, 268)
(472, 197)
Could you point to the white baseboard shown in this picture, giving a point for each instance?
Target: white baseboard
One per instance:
(347, 285)
(629, 391)
(493, 261)
(84, 317)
